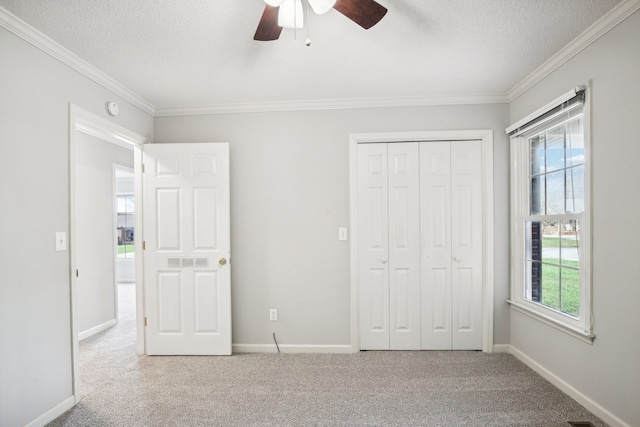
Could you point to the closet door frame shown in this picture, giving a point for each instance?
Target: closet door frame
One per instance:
(486, 138)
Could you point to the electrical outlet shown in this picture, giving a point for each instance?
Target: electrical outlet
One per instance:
(273, 315)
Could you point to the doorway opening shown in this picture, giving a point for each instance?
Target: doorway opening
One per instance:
(124, 221)
(98, 149)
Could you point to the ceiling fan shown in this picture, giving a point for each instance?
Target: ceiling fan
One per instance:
(280, 14)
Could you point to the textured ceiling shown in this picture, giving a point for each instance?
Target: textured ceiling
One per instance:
(188, 53)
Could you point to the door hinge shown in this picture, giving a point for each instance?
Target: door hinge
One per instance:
(143, 168)
(144, 245)
(145, 321)
(76, 273)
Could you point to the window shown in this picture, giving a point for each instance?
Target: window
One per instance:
(125, 224)
(550, 214)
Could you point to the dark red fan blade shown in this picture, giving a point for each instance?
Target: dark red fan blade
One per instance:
(365, 13)
(268, 28)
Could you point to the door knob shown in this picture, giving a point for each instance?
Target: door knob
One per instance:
(456, 259)
(222, 261)
(384, 261)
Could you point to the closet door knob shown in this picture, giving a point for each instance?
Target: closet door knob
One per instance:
(384, 261)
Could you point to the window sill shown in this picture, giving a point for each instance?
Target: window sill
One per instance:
(554, 323)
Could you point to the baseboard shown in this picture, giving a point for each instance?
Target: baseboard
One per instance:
(567, 388)
(291, 348)
(501, 348)
(96, 329)
(52, 413)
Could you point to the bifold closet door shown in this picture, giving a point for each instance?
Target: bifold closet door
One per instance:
(389, 246)
(451, 245)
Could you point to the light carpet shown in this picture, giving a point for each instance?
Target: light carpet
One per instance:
(422, 388)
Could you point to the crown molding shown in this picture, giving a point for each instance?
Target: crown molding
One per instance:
(26, 32)
(331, 104)
(23, 30)
(615, 16)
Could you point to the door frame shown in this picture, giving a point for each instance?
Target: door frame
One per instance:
(486, 138)
(86, 122)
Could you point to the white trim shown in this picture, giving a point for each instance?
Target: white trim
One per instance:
(29, 34)
(330, 104)
(52, 413)
(96, 329)
(23, 30)
(83, 121)
(486, 136)
(501, 348)
(291, 348)
(551, 321)
(594, 407)
(602, 26)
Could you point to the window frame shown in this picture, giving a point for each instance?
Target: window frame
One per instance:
(581, 327)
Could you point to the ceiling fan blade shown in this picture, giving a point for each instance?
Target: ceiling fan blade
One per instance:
(268, 28)
(365, 13)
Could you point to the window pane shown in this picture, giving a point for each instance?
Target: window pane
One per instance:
(570, 292)
(555, 193)
(575, 189)
(537, 155)
(130, 204)
(555, 148)
(570, 244)
(551, 242)
(537, 195)
(575, 142)
(551, 286)
(125, 226)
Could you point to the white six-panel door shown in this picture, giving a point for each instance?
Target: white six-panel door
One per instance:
(451, 228)
(373, 246)
(389, 267)
(404, 246)
(187, 238)
(420, 245)
(435, 219)
(466, 245)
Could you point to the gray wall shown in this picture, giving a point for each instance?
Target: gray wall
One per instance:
(289, 195)
(608, 372)
(95, 246)
(35, 336)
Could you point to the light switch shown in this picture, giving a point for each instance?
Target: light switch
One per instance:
(61, 241)
(342, 233)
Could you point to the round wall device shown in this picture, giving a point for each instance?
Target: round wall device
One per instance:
(112, 108)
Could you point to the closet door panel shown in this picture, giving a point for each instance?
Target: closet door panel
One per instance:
(466, 247)
(435, 223)
(404, 246)
(373, 242)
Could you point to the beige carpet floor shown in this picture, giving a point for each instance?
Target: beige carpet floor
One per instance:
(429, 388)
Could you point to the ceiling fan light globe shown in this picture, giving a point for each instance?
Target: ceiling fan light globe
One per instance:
(291, 14)
(274, 3)
(322, 6)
